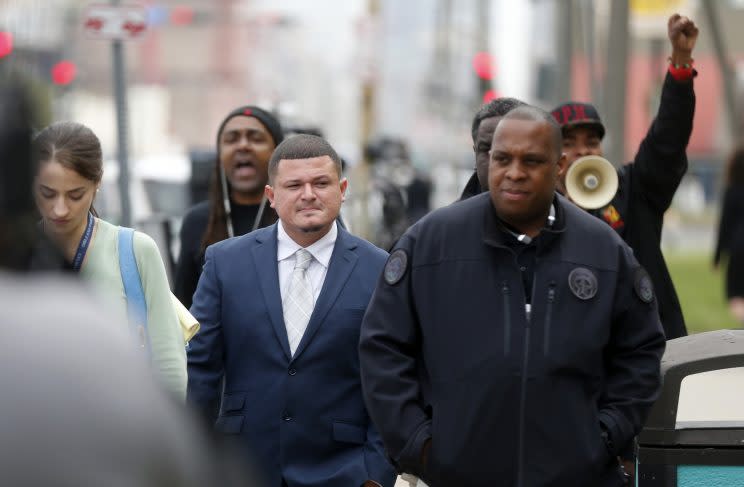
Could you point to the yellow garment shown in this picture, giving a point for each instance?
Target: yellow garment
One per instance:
(189, 325)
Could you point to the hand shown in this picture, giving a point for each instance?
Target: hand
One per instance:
(629, 469)
(683, 34)
(425, 453)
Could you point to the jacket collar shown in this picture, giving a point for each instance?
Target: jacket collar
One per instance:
(472, 188)
(495, 232)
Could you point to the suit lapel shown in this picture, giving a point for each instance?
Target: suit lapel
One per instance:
(264, 257)
(340, 266)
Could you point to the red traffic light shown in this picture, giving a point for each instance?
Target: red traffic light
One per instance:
(6, 44)
(484, 65)
(63, 73)
(490, 95)
(182, 15)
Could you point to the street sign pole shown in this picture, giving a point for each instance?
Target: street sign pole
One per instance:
(118, 23)
(120, 94)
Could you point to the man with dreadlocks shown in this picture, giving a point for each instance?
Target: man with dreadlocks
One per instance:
(245, 142)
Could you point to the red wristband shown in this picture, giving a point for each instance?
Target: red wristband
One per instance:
(683, 72)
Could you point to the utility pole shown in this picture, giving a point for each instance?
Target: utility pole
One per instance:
(588, 21)
(483, 21)
(362, 172)
(564, 32)
(616, 82)
(729, 93)
(120, 94)
(439, 80)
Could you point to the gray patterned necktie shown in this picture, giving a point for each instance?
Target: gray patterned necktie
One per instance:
(298, 304)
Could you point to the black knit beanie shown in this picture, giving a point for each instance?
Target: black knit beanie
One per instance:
(267, 119)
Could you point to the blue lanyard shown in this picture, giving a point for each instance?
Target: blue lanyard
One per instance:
(77, 262)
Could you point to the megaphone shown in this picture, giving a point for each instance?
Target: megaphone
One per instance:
(591, 182)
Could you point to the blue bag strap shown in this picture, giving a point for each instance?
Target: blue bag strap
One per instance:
(136, 304)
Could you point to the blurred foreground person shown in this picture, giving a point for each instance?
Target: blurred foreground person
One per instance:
(22, 245)
(731, 235)
(79, 406)
(513, 339)
(246, 139)
(69, 171)
(647, 185)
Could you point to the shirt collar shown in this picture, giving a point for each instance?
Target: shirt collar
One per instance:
(496, 234)
(320, 250)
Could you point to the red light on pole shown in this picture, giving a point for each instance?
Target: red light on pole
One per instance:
(484, 65)
(182, 15)
(489, 96)
(63, 73)
(6, 44)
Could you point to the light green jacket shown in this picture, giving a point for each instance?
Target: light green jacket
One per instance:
(101, 268)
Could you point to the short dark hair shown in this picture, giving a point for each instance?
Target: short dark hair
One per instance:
(495, 108)
(303, 146)
(535, 114)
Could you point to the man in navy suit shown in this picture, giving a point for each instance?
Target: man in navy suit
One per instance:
(280, 311)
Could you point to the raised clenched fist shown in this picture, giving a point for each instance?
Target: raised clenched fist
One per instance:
(683, 34)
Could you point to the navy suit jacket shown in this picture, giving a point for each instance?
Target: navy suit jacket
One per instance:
(302, 417)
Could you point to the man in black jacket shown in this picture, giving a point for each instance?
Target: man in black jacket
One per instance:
(512, 339)
(484, 123)
(646, 185)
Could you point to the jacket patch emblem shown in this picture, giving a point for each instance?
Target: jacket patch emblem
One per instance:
(643, 286)
(396, 267)
(612, 217)
(583, 283)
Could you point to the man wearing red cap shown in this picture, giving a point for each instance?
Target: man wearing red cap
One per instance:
(646, 185)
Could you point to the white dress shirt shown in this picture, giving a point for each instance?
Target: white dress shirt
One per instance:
(320, 250)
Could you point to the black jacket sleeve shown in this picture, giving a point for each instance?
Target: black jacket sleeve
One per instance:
(206, 352)
(662, 160)
(723, 244)
(633, 354)
(188, 268)
(388, 350)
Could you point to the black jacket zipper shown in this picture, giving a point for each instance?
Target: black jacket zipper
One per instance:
(507, 318)
(549, 316)
(523, 388)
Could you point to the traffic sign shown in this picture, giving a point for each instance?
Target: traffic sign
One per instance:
(115, 22)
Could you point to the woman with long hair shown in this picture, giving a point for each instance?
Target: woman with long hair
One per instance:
(731, 234)
(69, 172)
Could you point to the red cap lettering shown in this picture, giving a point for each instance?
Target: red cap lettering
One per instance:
(579, 112)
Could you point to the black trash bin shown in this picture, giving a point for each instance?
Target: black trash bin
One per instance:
(709, 450)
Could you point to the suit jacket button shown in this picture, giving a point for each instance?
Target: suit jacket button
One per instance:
(286, 416)
(292, 372)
